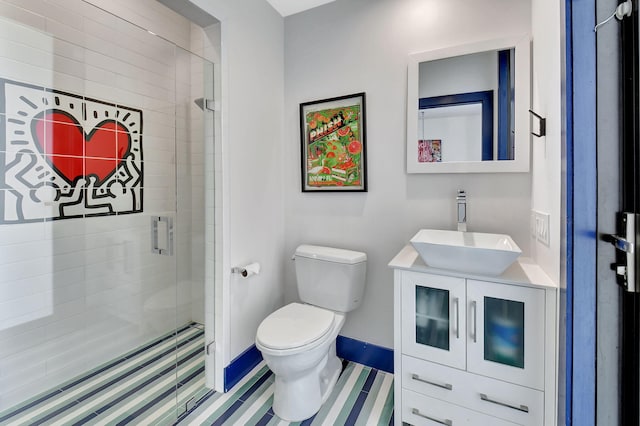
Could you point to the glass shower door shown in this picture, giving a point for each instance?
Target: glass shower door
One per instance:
(194, 231)
(85, 166)
(132, 273)
(102, 216)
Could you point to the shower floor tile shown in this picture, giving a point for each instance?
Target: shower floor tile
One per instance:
(136, 388)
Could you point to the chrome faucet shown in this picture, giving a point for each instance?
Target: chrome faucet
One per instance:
(461, 200)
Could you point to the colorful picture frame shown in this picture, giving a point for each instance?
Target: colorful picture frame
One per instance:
(430, 150)
(333, 144)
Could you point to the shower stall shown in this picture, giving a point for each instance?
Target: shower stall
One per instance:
(107, 211)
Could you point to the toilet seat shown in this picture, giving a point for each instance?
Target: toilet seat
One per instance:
(293, 326)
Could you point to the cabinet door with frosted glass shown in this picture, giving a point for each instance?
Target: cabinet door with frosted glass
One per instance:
(433, 325)
(506, 332)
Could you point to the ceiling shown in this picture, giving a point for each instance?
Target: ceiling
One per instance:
(289, 7)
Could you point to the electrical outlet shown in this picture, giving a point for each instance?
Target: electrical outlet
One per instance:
(541, 227)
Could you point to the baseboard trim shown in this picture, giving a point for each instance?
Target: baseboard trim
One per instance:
(240, 366)
(368, 354)
(364, 353)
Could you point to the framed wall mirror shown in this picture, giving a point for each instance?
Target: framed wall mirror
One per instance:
(467, 108)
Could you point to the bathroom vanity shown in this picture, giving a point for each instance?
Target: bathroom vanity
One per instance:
(472, 349)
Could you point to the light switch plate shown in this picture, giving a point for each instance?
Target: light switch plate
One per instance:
(540, 225)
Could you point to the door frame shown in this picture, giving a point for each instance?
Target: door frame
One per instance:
(581, 216)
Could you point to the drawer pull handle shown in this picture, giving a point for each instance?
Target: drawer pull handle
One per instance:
(446, 386)
(417, 412)
(523, 408)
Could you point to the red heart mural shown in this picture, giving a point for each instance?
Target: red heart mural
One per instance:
(69, 150)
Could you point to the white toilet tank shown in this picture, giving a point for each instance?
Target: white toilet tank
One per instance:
(330, 278)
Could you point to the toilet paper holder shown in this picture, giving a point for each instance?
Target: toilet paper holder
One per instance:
(247, 270)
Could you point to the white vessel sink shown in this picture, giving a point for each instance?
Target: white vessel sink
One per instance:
(474, 252)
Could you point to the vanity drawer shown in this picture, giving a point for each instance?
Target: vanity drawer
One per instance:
(517, 404)
(432, 379)
(421, 410)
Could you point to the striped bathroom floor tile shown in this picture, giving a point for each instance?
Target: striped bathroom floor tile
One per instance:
(136, 388)
(139, 388)
(362, 396)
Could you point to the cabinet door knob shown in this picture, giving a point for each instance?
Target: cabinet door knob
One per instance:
(523, 408)
(446, 386)
(417, 412)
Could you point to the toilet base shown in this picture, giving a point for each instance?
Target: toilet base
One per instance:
(300, 398)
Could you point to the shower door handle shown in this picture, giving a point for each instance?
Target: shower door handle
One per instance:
(162, 235)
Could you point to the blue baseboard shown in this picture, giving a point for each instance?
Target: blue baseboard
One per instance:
(240, 366)
(368, 354)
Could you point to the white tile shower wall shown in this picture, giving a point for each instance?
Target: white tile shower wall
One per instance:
(76, 292)
(152, 16)
(183, 170)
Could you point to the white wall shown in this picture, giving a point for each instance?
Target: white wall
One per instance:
(253, 160)
(357, 45)
(547, 151)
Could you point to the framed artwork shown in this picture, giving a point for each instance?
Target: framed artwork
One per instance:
(333, 144)
(429, 151)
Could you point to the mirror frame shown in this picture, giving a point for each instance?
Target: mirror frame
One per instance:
(522, 87)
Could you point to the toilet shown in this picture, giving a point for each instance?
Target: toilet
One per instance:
(298, 341)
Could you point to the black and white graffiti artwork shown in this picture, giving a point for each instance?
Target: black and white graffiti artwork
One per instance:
(66, 156)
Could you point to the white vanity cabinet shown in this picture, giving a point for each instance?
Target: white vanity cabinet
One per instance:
(472, 350)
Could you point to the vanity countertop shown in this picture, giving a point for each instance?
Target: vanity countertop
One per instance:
(524, 271)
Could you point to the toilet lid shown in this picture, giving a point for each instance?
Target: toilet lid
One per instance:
(294, 325)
